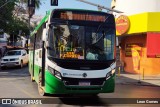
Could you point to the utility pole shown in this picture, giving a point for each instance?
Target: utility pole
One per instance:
(100, 7)
(31, 11)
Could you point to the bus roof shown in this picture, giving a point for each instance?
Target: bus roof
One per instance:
(49, 12)
(70, 9)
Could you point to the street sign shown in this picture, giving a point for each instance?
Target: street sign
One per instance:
(31, 3)
(54, 2)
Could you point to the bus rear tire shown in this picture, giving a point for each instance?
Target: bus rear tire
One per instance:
(40, 88)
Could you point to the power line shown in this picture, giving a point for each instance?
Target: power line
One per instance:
(6, 3)
(100, 6)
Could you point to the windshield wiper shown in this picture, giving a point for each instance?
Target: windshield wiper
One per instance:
(98, 31)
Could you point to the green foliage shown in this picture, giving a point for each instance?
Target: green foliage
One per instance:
(8, 22)
(6, 14)
(37, 3)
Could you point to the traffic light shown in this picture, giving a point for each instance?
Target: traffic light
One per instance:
(54, 2)
(31, 3)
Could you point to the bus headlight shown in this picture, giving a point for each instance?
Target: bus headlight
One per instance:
(109, 74)
(55, 73)
(113, 71)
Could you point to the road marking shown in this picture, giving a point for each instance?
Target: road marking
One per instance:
(19, 88)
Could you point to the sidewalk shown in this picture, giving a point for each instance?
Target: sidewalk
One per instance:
(136, 79)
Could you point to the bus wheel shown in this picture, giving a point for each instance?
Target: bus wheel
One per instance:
(40, 88)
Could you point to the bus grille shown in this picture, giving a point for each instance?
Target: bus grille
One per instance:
(84, 88)
(75, 81)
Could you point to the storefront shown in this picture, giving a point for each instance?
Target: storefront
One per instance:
(139, 37)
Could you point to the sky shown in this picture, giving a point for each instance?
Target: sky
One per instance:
(45, 6)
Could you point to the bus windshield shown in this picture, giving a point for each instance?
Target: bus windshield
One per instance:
(81, 42)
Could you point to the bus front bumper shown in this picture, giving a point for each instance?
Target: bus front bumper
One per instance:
(55, 86)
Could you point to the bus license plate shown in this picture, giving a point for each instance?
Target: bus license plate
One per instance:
(84, 83)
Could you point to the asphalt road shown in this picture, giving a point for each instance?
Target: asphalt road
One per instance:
(15, 83)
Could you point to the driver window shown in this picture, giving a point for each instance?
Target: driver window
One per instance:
(108, 46)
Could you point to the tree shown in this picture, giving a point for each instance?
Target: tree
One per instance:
(37, 3)
(31, 10)
(8, 19)
(6, 14)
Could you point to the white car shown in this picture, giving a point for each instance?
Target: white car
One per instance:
(14, 58)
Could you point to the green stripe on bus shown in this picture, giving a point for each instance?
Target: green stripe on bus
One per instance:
(40, 24)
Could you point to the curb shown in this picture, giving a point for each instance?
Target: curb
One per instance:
(133, 80)
(138, 84)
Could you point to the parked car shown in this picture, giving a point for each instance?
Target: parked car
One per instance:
(14, 58)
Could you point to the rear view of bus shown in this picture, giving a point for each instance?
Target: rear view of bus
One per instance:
(77, 54)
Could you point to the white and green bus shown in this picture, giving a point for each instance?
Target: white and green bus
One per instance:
(72, 51)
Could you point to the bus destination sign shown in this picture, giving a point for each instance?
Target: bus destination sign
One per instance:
(82, 16)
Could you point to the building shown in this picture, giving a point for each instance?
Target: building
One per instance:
(138, 31)
(3, 42)
(3, 39)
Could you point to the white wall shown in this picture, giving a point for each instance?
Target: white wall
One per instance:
(23, 41)
(130, 7)
(3, 37)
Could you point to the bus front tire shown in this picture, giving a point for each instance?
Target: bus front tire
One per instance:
(40, 88)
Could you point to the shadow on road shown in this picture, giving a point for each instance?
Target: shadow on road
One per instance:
(84, 101)
(75, 99)
(130, 80)
(14, 72)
